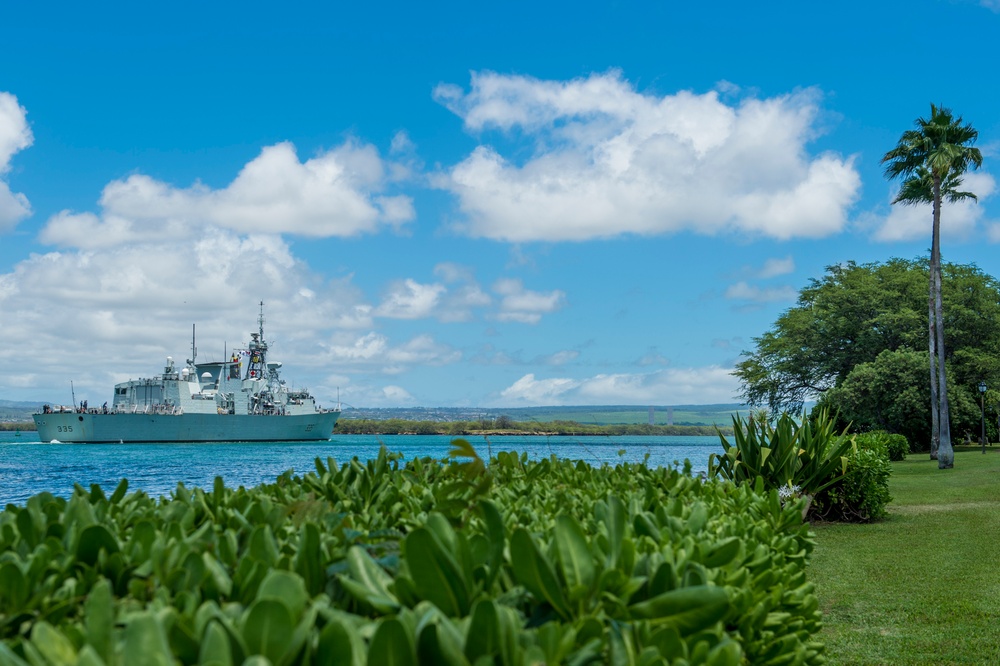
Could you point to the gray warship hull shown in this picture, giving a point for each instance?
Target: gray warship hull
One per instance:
(73, 427)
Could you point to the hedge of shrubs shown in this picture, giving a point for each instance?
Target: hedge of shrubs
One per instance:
(438, 562)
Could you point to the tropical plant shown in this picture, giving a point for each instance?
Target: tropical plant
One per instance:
(931, 160)
(808, 454)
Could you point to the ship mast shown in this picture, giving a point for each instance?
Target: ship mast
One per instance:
(257, 367)
(194, 349)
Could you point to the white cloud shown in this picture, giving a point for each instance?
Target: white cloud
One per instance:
(958, 220)
(409, 299)
(374, 352)
(396, 395)
(523, 305)
(15, 135)
(712, 384)
(125, 308)
(454, 301)
(336, 193)
(747, 292)
(610, 160)
(775, 267)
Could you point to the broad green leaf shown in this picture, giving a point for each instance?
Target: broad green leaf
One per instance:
(535, 572)
(286, 588)
(437, 646)
(215, 648)
(496, 534)
(267, 628)
(575, 560)
(723, 552)
(52, 644)
(120, 491)
(8, 658)
(217, 575)
(368, 582)
(726, 653)
(644, 525)
(612, 514)
(483, 638)
(339, 645)
(13, 587)
(309, 559)
(688, 609)
(99, 619)
(263, 547)
(93, 539)
(435, 573)
(146, 642)
(87, 657)
(698, 517)
(391, 646)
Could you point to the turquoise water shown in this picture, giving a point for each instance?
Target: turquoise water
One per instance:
(28, 467)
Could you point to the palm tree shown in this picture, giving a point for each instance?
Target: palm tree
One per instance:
(931, 160)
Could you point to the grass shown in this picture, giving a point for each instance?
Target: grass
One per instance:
(922, 586)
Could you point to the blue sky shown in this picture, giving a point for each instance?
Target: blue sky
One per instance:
(459, 204)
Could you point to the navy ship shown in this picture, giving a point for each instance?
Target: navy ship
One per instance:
(242, 399)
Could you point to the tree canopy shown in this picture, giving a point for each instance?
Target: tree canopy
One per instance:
(856, 341)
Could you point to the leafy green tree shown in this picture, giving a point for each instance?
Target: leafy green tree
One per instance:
(931, 160)
(855, 341)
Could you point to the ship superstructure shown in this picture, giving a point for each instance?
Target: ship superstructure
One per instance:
(240, 399)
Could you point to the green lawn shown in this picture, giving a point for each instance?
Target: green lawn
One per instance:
(922, 586)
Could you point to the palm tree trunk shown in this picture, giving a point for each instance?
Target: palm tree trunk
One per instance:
(932, 346)
(946, 454)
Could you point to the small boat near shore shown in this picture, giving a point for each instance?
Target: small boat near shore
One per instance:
(241, 399)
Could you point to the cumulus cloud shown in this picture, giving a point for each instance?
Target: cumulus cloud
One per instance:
(337, 193)
(667, 386)
(458, 296)
(523, 305)
(125, 308)
(374, 351)
(15, 135)
(408, 299)
(958, 220)
(610, 160)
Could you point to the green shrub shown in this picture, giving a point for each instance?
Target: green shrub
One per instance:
(898, 447)
(893, 446)
(511, 562)
(862, 494)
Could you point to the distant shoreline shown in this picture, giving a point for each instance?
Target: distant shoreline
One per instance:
(460, 429)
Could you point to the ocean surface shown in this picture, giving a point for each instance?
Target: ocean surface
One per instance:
(28, 467)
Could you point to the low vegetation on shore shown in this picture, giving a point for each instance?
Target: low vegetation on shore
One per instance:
(506, 426)
(508, 561)
(479, 428)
